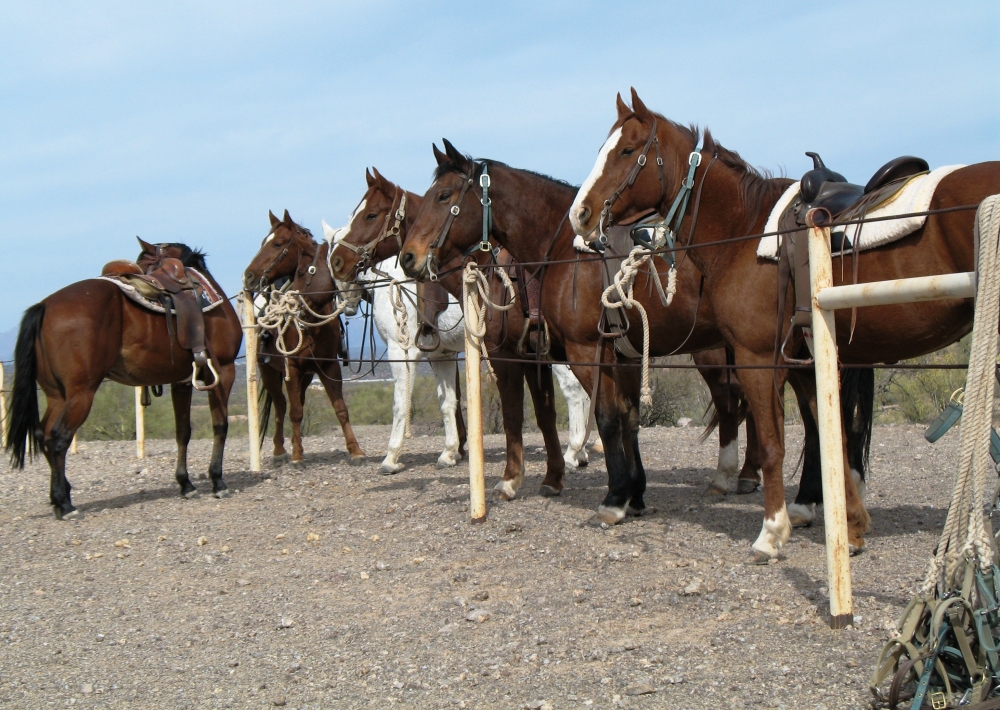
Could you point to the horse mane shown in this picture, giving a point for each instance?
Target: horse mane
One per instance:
(451, 167)
(194, 258)
(758, 186)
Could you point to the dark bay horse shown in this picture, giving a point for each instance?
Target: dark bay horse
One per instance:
(369, 240)
(529, 220)
(88, 332)
(741, 288)
(287, 252)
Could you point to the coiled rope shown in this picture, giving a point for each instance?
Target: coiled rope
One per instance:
(285, 309)
(624, 285)
(476, 298)
(964, 536)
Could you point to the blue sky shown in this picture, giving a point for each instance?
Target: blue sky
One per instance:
(187, 121)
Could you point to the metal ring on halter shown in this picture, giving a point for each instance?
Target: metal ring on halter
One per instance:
(455, 209)
(484, 180)
(642, 159)
(311, 270)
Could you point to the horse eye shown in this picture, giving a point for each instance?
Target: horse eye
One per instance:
(370, 216)
(444, 196)
(628, 151)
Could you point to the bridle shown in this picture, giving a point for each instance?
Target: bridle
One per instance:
(366, 251)
(485, 201)
(665, 230)
(263, 281)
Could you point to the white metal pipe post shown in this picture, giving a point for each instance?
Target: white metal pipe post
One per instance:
(838, 561)
(253, 420)
(885, 293)
(474, 400)
(140, 425)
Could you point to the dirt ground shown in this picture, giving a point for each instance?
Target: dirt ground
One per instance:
(338, 587)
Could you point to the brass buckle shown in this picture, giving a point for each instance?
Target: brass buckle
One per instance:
(938, 701)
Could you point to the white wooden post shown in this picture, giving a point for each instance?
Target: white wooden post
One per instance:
(474, 401)
(3, 409)
(838, 561)
(140, 425)
(253, 420)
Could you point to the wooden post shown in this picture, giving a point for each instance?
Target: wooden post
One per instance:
(253, 421)
(140, 425)
(838, 562)
(474, 401)
(3, 409)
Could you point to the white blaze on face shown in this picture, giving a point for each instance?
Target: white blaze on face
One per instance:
(268, 238)
(602, 158)
(339, 235)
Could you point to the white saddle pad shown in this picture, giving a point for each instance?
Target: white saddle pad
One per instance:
(915, 197)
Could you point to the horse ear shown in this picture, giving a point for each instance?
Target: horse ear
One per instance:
(147, 248)
(455, 156)
(440, 157)
(287, 219)
(328, 231)
(368, 178)
(639, 108)
(623, 109)
(274, 220)
(382, 183)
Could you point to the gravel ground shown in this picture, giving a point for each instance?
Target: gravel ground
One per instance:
(337, 587)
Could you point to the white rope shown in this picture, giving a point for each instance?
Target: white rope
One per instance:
(624, 284)
(964, 536)
(285, 309)
(476, 296)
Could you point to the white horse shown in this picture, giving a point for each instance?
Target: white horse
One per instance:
(451, 328)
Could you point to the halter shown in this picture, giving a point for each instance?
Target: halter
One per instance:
(484, 181)
(366, 250)
(275, 261)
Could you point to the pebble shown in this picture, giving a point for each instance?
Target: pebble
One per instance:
(87, 688)
(312, 537)
(478, 616)
(640, 689)
(202, 541)
(285, 623)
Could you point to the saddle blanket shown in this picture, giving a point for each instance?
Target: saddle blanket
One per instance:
(915, 197)
(210, 298)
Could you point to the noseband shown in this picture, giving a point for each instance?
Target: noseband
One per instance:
(366, 251)
(263, 281)
(485, 201)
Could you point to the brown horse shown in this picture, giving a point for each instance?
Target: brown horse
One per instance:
(370, 239)
(741, 288)
(88, 332)
(529, 220)
(289, 252)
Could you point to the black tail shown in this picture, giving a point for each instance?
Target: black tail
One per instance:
(857, 391)
(24, 435)
(264, 407)
(713, 422)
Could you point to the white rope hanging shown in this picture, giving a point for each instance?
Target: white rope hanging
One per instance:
(964, 536)
(624, 284)
(403, 338)
(476, 296)
(285, 309)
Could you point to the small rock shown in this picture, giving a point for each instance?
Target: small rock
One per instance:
(381, 566)
(279, 702)
(312, 537)
(635, 601)
(418, 560)
(640, 689)
(225, 548)
(99, 638)
(202, 541)
(87, 688)
(683, 421)
(695, 587)
(481, 596)
(124, 542)
(279, 536)
(294, 667)
(365, 575)
(478, 616)
(285, 623)
(242, 582)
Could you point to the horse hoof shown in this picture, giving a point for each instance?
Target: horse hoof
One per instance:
(387, 470)
(549, 491)
(224, 493)
(73, 514)
(759, 558)
(190, 495)
(607, 516)
(639, 512)
(856, 549)
(505, 490)
(298, 465)
(745, 486)
(444, 462)
(712, 489)
(280, 460)
(356, 460)
(597, 447)
(801, 516)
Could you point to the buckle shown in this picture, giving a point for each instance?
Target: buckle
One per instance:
(694, 159)
(642, 160)
(484, 180)
(455, 209)
(938, 700)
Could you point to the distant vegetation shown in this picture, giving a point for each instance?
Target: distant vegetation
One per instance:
(901, 396)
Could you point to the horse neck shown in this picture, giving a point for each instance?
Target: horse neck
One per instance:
(527, 211)
(321, 288)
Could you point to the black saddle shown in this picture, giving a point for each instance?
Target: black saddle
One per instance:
(822, 187)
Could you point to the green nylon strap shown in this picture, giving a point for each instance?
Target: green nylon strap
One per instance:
(484, 183)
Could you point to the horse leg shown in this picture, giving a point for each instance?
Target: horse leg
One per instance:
(510, 384)
(218, 404)
(180, 397)
(463, 435)
(275, 386)
(628, 380)
(543, 396)
(401, 396)
(725, 394)
(62, 418)
(332, 379)
(296, 386)
(578, 406)
(802, 512)
(750, 473)
(444, 374)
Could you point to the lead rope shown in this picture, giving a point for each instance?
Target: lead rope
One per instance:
(283, 310)
(624, 284)
(964, 532)
(476, 296)
(403, 338)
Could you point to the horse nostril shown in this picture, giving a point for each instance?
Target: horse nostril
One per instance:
(584, 214)
(407, 259)
(338, 263)
(248, 278)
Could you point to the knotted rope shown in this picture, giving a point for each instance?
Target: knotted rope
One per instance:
(964, 536)
(403, 338)
(624, 285)
(285, 309)
(476, 297)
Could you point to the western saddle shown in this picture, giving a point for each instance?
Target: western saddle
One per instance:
(162, 279)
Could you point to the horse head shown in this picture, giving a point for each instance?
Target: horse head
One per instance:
(639, 168)
(448, 221)
(280, 253)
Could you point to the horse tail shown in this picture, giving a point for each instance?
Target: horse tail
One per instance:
(264, 407)
(24, 434)
(743, 409)
(857, 393)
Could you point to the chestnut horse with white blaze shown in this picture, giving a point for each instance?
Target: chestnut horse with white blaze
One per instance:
(740, 288)
(90, 331)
